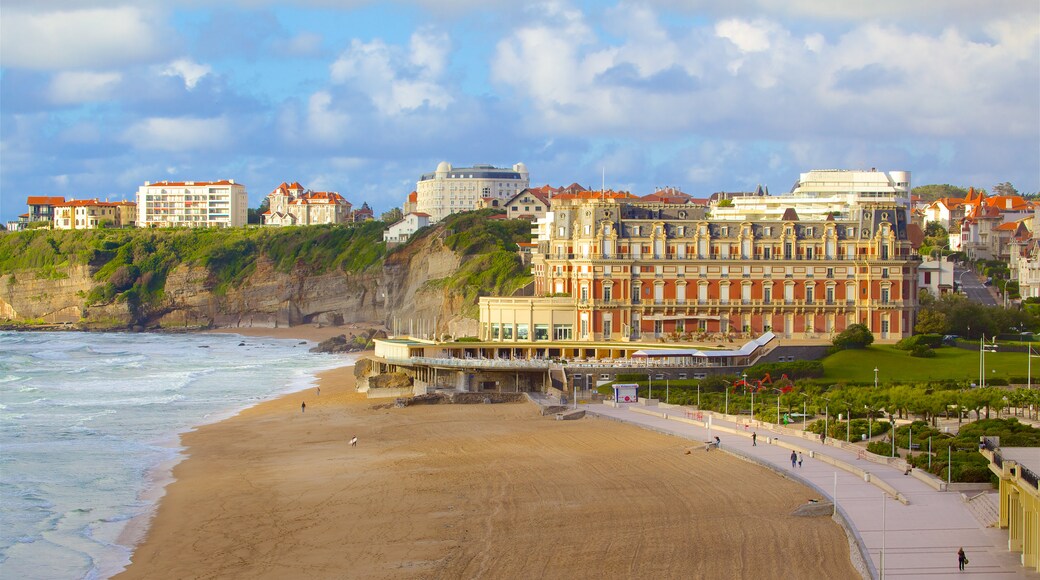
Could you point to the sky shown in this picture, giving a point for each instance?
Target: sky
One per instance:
(362, 97)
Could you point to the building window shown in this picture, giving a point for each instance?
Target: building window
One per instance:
(507, 332)
(521, 332)
(563, 331)
(541, 332)
(494, 330)
(884, 295)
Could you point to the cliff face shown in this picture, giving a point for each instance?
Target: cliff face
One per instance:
(403, 293)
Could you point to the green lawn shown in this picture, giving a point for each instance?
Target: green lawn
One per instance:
(857, 365)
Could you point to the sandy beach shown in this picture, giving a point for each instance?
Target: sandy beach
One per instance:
(448, 491)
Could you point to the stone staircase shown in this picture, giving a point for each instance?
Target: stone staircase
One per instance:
(985, 507)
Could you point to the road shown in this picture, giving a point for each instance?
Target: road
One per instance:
(973, 287)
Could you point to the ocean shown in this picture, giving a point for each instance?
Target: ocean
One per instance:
(89, 426)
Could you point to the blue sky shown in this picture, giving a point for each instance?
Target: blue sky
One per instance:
(361, 97)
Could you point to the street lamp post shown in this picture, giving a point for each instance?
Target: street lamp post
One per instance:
(805, 399)
(1005, 293)
(875, 378)
(870, 434)
(892, 422)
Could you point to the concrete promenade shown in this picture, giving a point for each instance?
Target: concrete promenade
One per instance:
(922, 527)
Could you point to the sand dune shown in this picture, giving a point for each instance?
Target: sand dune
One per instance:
(482, 491)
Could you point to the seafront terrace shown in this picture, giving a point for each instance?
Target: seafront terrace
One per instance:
(546, 355)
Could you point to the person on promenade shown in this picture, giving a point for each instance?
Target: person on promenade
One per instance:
(303, 407)
(353, 441)
(794, 459)
(799, 461)
(823, 438)
(718, 442)
(961, 558)
(754, 439)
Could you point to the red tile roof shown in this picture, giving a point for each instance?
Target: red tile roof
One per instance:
(413, 197)
(44, 200)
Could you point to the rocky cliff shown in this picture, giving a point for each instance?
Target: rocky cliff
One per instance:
(406, 291)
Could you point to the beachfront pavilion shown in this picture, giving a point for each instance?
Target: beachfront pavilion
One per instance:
(538, 366)
(1019, 471)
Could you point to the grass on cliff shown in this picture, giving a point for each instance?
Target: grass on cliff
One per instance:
(490, 264)
(132, 264)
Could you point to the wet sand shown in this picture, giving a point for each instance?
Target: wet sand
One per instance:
(449, 491)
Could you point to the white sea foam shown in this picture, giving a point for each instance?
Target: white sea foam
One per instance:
(87, 419)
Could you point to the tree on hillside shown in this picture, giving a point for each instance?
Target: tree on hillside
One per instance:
(254, 215)
(931, 322)
(1004, 189)
(934, 192)
(855, 336)
(392, 215)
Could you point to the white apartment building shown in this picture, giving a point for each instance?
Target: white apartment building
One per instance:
(457, 189)
(196, 204)
(822, 192)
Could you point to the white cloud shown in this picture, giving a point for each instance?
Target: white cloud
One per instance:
(324, 124)
(68, 88)
(90, 37)
(179, 134)
(396, 81)
(756, 78)
(746, 36)
(190, 71)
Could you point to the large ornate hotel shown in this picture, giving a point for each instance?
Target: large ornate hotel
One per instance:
(626, 270)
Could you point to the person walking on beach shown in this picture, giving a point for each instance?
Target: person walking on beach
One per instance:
(319, 391)
(961, 558)
(794, 459)
(754, 438)
(353, 441)
(303, 407)
(799, 461)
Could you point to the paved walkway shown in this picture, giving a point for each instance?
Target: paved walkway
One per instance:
(920, 538)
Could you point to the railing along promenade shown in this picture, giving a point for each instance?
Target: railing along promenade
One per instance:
(542, 363)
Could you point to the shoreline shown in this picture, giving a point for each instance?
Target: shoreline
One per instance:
(161, 476)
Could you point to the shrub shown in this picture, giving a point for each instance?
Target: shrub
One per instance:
(929, 340)
(855, 336)
(632, 377)
(922, 351)
(880, 448)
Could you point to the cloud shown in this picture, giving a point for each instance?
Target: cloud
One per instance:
(324, 123)
(87, 38)
(82, 87)
(746, 36)
(179, 134)
(396, 81)
(188, 70)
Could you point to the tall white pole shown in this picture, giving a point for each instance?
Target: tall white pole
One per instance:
(835, 496)
(803, 415)
(884, 531)
(667, 391)
(1029, 367)
(949, 465)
